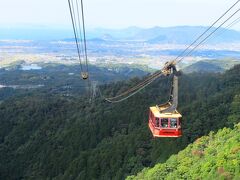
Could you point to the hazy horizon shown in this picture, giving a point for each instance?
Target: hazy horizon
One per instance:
(115, 14)
(69, 28)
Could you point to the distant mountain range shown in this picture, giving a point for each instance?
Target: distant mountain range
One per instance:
(211, 65)
(203, 67)
(172, 35)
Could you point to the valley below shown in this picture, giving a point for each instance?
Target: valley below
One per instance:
(54, 125)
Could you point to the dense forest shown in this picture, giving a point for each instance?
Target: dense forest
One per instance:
(47, 136)
(210, 157)
(60, 79)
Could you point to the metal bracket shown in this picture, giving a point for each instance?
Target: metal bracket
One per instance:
(172, 103)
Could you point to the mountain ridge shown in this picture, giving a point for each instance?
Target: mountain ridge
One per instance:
(175, 34)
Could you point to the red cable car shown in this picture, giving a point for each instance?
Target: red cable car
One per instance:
(165, 120)
(164, 124)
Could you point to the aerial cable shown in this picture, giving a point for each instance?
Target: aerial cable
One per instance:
(144, 82)
(82, 28)
(75, 29)
(125, 98)
(84, 36)
(149, 80)
(233, 23)
(190, 52)
(140, 89)
(79, 26)
(134, 90)
(71, 8)
(209, 28)
(79, 40)
(228, 26)
(85, 48)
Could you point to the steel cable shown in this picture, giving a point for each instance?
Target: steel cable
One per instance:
(71, 8)
(153, 77)
(209, 28)
(190, 52)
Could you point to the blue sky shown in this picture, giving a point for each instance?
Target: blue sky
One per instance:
(115, 13)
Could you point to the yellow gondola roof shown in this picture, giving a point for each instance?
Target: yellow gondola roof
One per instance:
(156, 110)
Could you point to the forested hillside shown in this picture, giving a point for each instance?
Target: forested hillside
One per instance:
(47, 136)
(215, 156)
(59, 79)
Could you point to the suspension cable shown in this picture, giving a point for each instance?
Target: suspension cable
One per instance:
(79, 26)
(190, 52)
(227, 27)
(75, 33)
(137, 91)
(137, 86)
(233, 23)
(209, 28)
(84, 35)
(85, 49)
(149, 80)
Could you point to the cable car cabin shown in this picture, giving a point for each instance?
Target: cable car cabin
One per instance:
(164, 124)
(84, 75)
